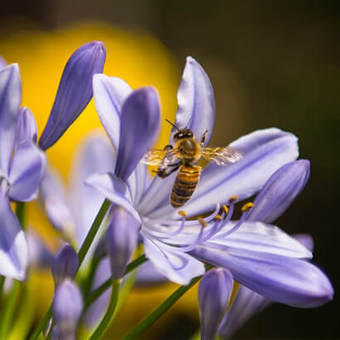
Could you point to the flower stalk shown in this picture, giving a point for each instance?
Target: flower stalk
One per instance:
(109, 314)
(159, 311)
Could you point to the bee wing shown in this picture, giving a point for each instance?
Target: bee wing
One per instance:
(158, 157)
(221, 155)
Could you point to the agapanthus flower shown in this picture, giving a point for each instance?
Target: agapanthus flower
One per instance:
(22, 166)
(251, 250)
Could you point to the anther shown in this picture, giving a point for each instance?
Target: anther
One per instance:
(225, 208)
(247, 206)
(233, 198)
(218, 217)
(202, 221)
(182, 213)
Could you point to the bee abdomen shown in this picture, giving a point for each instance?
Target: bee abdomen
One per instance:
(185, 184)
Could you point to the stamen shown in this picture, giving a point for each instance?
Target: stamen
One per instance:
(225, 208)
(233, 199)
(247, 206)
(245, 209)
(218, 217)
(202, 221)
(182, 213)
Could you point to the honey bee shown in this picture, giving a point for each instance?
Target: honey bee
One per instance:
(184, 156)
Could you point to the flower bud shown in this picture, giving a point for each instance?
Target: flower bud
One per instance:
(121, 240)
(67, 308)
(280, 191)
(74, 92)
(65, 264)
(213, 294)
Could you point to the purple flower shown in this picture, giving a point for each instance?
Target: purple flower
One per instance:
(67, 308)
(22, 166)
(259, 255)
(74, 92)
(214, 293)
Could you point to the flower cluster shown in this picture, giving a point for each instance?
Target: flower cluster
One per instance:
(116, 209)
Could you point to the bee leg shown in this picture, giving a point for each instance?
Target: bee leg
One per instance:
(203, 137)
(163, 173)
(168, 147)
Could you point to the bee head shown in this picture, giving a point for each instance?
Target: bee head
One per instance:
(183, 133)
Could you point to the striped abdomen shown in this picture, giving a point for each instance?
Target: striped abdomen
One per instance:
(185, 184)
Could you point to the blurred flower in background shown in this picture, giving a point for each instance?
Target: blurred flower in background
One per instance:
(42, 57)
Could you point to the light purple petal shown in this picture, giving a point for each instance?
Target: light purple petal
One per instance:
(114, 189)
(258, 237)
(176, 265)
(13, 245)
(246, 304)
(196, 102)
(286, 280)
(10, 99)
(280, 191)
(214, 293)
(148, 274)
(139, 127)
(264, 151)
(94, 156)
(2, 63)
(121, 240)
(138, 182)
(57, 207)
(157, 195)
(26, 127)
(109, 94)
(26, 172)
(74, 92)
(67, 308)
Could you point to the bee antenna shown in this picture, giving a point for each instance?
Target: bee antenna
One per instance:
(172, 124)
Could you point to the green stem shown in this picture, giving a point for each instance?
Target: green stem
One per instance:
(42, 324)
(93, 231)
(109, 315)
(2, 282)
(7, 316)
(107, 284)
(20, 211)
(159, 311)
(86, 284)
(81, 256)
